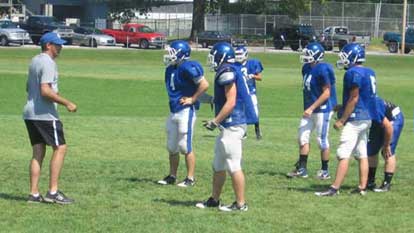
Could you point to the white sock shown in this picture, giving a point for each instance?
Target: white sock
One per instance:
(35, 194)
(53, 193)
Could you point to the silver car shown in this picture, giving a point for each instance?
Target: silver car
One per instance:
(92, 37)
(11, 33)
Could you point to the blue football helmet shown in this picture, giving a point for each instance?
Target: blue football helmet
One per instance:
(350, 55)
(220, 53)
(313, 52)
(241, 54)
(178, 51)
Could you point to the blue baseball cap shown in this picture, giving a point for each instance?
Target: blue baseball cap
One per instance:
(51, 37)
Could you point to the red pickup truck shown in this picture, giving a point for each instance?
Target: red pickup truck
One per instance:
(134, 33)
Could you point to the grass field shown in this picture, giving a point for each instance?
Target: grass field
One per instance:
(117, 151)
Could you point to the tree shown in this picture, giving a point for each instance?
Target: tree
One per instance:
(124, 10)
(198, 18)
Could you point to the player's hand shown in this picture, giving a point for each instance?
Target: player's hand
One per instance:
(71, 107)
(338, 125)
(210, 125)
(186, 101)
(307, 113)
(386, 151)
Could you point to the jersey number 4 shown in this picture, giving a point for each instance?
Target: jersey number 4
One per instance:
(306, 82)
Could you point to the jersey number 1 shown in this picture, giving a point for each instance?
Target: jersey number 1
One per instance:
(172, 82)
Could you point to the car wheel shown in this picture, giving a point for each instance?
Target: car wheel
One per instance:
(204, 45)
(143, 44)
(278, 44)
(295, 46)
(304, 43)
(4, 41)
(407, 50)
(393, 47)
(93, 43)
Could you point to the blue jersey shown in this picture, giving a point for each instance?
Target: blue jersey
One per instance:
(314, 79)
(251, 66)
(364, 79)
(228, 74)
(182, 80)
(385, 109)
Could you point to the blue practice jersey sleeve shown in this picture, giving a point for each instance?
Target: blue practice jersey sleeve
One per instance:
(255, 66)
(193, 71)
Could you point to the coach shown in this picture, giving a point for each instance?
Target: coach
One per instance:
(42, 119)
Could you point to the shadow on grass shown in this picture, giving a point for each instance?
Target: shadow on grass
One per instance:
(176, 202)
(140, 180)
(209, 136)
(6, 196)
(317, 188)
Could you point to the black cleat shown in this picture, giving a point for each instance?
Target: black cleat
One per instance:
(33, 199)
(187, 182)
(208, 204)
(234, 207)
(167, 180)
(58, 198)
(385, 187)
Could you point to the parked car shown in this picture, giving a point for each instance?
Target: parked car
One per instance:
(11, 33)
(393, 40)
(294, 36)
(133, 33)
(37, 25)
(208, 38)
(339, 36)
(92, 37)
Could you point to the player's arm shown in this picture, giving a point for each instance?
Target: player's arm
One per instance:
(349, 108)
(47, 92)
(257, 77)
(202, 87)
(326, 92)
(388, 131)
(231, 93)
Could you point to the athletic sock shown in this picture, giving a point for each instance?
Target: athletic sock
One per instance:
(371, 174)
(303, 160)
(388, 177)
(36, 194)
(53, 193)
(324, 165)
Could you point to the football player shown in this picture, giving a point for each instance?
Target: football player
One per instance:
(384, 133)
(185, 82)
(319, 99)
(251, 70)
(358, 108)
(231, 99)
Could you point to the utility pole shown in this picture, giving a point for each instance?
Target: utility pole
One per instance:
(404, 22)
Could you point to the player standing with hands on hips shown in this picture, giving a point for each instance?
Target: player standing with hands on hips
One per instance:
(231, 99)
(319, 99)
(42, 119)
(251, 70)
(358, 109)
(185, 82)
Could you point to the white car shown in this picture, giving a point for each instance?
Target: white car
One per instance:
(91, 37)
(11, 33)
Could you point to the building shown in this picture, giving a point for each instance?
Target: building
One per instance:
(85, 10)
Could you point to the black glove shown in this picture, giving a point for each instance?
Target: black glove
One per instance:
(210, 125)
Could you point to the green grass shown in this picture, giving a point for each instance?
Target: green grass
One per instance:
(117, 150)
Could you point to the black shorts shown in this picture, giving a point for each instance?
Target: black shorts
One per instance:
(45, 132)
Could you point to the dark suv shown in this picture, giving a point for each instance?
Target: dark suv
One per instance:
(208, 38)
(294, 36)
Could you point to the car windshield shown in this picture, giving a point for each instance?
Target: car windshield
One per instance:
(49, 20)
(94, 31)
(7, 24)
(308, 31)
(146, 29)
(224, 35)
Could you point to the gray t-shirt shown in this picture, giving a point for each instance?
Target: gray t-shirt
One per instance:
(42, 70)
